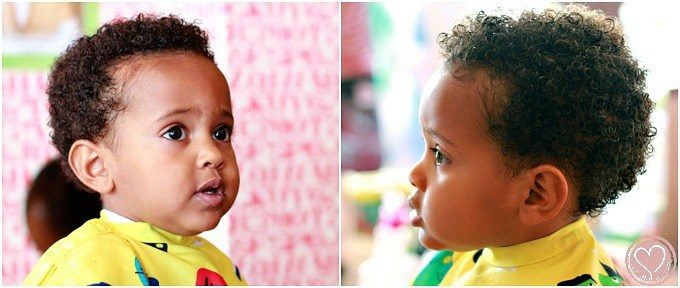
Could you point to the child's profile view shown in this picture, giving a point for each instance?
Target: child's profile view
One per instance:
(141, 115)
(531, 124)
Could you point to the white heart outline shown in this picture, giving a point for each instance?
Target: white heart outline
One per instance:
(649, 252)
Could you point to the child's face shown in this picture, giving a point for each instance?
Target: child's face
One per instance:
(171, 157)
(462, 200)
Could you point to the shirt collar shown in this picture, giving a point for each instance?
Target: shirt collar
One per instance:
(540, 249)
(114, 217)
(142, 231)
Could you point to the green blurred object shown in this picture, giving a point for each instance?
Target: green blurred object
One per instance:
(28, 61)
(90, 17)
(382, 45)
(370, 212)
(433, 273)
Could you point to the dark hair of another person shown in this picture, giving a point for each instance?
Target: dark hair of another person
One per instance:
(58, 205)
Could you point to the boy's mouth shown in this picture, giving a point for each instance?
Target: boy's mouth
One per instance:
(211, 192)
(414, 219)
(414, 216)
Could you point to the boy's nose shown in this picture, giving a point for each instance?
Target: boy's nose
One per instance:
(416, 177)
(209, 155)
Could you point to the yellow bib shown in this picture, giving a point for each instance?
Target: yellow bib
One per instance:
(102, 252)
(571, 256)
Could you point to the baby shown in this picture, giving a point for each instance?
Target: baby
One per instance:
(142, 115)
(530, 125)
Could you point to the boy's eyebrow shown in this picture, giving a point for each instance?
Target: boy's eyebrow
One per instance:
(173, 112)
(225, 113)
(436, 134)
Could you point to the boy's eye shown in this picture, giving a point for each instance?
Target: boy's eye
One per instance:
(222, 133)
(175, 133)
(439, 158)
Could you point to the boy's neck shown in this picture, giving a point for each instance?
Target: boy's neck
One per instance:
(547, 228)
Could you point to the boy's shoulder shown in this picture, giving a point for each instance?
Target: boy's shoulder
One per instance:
(92, 247)
(95, 233)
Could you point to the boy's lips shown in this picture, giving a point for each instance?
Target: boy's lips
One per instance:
(211, 192)
(414, 216)
(414, 219)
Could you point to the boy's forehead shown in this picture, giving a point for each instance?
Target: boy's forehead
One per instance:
(131, 72)
(446, 86)
(451, 96)
(131, 66)
(431, 84)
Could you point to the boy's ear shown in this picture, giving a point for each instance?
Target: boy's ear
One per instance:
(546, 195)
(86, 161)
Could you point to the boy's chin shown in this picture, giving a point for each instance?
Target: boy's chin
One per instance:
(430, 242)
(196, 229)
(200, 226)
(208, 225)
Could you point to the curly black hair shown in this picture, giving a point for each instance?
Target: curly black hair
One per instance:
(571, 95)
(83, 94)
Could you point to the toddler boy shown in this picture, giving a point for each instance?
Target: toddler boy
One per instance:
(530, 125)
(142, 115)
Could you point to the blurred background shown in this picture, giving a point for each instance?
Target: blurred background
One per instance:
(389, 51)
(281, 62)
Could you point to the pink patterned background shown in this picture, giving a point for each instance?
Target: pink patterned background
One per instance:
(281, 62)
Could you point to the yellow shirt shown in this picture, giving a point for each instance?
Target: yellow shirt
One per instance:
(112, 252)
(570, 256)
